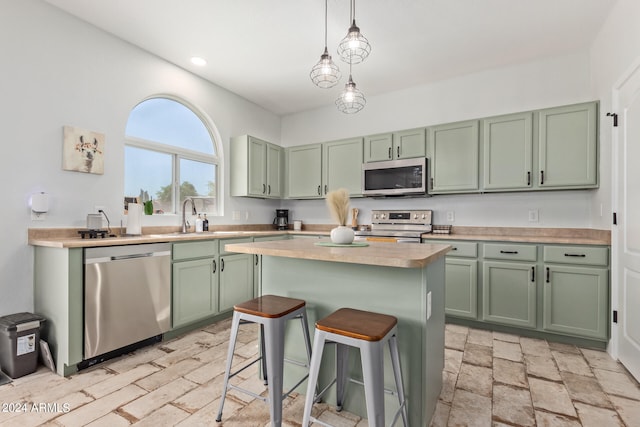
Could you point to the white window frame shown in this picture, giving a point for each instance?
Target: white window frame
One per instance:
(179, 153)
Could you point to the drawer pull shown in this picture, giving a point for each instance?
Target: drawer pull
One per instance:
(389, 152)
(576, 255)
(454, 248)
(547, 274)
(509, 252)
(533, 274)
(398, 151)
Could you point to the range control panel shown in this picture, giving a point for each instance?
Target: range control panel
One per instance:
(401, 217)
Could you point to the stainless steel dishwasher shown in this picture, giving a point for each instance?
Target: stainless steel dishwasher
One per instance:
(127, 293)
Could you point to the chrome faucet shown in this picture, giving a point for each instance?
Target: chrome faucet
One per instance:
(193, 211)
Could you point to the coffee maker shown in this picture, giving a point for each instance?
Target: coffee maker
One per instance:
(281, 221)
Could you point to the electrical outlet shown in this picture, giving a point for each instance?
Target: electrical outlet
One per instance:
(235, 215)
(246, 216)
(451, 216)
(38, 216)
(98, 208)
(533, 215)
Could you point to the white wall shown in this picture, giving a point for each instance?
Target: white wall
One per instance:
(56, 71)
(547, 83)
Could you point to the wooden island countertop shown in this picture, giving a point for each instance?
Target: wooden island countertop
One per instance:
(376, 253)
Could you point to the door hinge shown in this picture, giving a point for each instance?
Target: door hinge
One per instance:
(615, 119)
(615, 316)
(615, 218)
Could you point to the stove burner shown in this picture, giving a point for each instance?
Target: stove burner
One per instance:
(92, 234)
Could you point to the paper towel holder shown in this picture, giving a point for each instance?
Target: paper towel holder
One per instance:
(39, 206)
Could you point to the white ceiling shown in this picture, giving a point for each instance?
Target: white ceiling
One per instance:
(263, 50)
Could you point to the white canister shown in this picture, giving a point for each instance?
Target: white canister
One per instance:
(297, 225)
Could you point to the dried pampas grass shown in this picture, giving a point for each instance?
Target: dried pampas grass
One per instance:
(338, 204)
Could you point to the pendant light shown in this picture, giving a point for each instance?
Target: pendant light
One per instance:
(351, 100)
(354, 47)
(325, 73)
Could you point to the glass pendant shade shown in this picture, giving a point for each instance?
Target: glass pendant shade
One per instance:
(351, 100)
(354, 47)
(325, 73)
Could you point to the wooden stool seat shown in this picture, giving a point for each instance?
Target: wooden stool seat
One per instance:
(270, 306)
(358, 324)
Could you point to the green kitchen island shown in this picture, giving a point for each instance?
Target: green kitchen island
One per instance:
(403, 280)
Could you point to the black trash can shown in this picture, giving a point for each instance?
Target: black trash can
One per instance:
(19, 343)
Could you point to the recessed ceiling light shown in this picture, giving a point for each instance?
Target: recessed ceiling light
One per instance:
(196, 60)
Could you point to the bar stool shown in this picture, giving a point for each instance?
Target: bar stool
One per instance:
(271, 312)
(369, 332)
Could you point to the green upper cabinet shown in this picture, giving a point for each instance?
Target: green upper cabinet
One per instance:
(508, 148)
(378, 147)
(453, 150)
(304, 171)
(568, 133)
(342, 166)
(256, 168)
(397, 145)
(314, 170)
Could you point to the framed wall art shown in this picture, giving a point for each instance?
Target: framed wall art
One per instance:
(82, 150)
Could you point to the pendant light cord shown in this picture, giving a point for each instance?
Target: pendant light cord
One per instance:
(325, 23)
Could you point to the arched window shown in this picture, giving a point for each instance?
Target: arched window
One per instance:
(170, 154)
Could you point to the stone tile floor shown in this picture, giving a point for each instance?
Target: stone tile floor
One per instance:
(490, 379)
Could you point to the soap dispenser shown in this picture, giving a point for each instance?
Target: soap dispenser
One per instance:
(199, 224)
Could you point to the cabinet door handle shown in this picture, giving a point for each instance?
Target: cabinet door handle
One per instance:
(576, 255)
(541, 177)
(319, 191)
(398, 151)
(264, 188)
(432, 183)
(389, 152)
(257, 259)
(547, 275)
(528, 178)
(509, 252)
(454, 248)
(221, 265)
(325, 189)
(269, 189)
(533, 274)
(214, 266)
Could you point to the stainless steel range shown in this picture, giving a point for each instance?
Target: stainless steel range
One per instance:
(397, 226)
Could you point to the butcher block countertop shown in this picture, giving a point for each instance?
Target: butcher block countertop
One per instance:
(375, 253)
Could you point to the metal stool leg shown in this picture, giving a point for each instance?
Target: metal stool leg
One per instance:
(263, 354)
(373, 376)
(274, 343)
(312, 381)
(397, 374)
(235, 323)
(342, 367)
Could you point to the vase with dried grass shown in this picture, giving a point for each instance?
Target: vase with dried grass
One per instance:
(338, 204)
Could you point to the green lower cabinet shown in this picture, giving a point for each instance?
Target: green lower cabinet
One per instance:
(195, 290)
(576, 300)
(509, 293)
(236, 280)
(461, 288)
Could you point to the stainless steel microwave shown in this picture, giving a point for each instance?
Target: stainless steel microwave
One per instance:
(406, 177)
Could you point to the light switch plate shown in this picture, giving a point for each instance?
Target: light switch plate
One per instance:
(533, 215)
